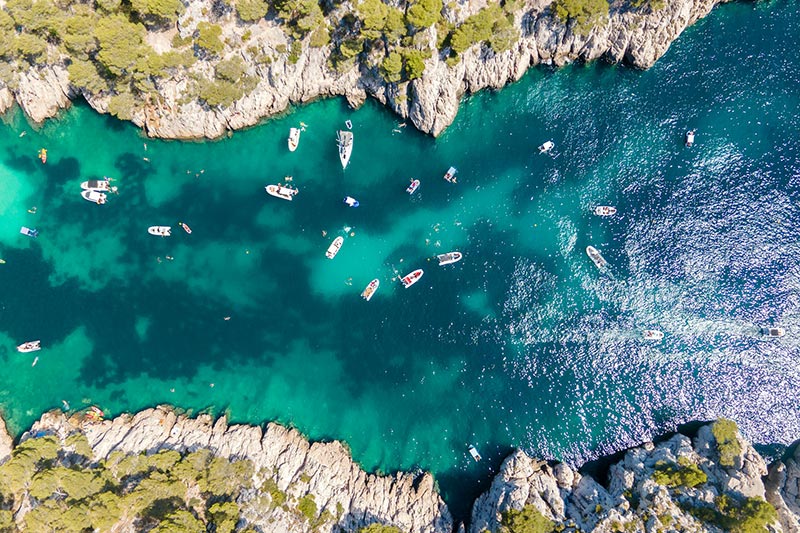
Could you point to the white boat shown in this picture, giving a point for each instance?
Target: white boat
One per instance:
(30, 232)
(294, 138)
(595, 256)
(690, 138)
(185, 227)
(348, 124)
(97, 185)
(345, 139)
(96, 197)
(450, 175)
(279, 191)
(413, 187)
(350, 201)
(411, 278)
(546, 147)
(333, 249)
(160, 231)
(773, 332)
(605, 210)
(370, 290)
(27, 347)
(449, 258)
(473, 451)
(652, 335)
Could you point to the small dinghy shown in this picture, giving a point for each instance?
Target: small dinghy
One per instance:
(294, 138)
(773, 332)
(185, 227)
(595, 256)
(30, 232)
(449, 258)
(370, 290)
(605, 210)
(160, 231)
(652, 335)
(279, 191)
(546, 147)
(450, 175)
(690, 138)
(350, 201)
(411, 278)
(473, 452)
(334, 248)
(96, 197)
(413, 187)
(27, 347)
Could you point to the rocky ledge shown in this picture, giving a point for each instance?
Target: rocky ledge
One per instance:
(711, 483)
(281, 69)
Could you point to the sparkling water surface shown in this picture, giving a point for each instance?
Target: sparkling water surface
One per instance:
(522, 343)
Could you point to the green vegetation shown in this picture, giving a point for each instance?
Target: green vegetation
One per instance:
(653, 5)
(683, 474)
(392, 67)
(300, 16)
(491, 24)
(379, 528)
(164, 492)
(424, 13)
(750, 515)
(308, 507)
(728, 444)
(251, 10)
(158, 11)
(528, 520)
(586, 13)
(208, 37)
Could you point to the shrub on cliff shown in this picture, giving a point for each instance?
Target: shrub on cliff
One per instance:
(748, 515)
(728, 444)
(300, 16)
(527, 520)
(158, 11)
(379, 528)
(392, 67)
(586, 13)
(77, 34)
(251, 10)
(424, 13)
(121, 44)
(415, 62)
(490, 24)
(683, 474)
(208, 37)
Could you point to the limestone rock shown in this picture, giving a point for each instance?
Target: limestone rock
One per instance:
(6, 442)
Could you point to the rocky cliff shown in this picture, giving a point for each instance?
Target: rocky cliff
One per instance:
(637, 36)
(694, 491)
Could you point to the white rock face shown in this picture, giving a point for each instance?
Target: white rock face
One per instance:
(431, 102)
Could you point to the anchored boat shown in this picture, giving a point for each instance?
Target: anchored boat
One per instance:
(605, 210)
(96, 197)
(279, 191)
(690, 138)
(546, 147)
(473, 451)
(411, 278)
(334, 248)
(31, 346)
(413, 187)
(773, 332)
(370, 290)
(652, 335)
(30, 232)
(450, 175)
(350, 201)
(43, 155)
(345, 140)
(160, 231)
(185, 227)
(449, 258)
(103, 185)
(294, 138)
(595, 256)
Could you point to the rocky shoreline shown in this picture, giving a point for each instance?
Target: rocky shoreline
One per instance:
(634, 498)
(635, 36)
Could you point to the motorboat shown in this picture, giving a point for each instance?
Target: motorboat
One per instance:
(345, 139)
(449, 258)
(96, 197)
(97, 185)
(690, 138)
(31, 346)
(595, 256)
(370, 290)
(334, 248)
(411, 278)
(450, 175)
(185, 227)
(473, 451)
(30, 232)
(160, 231)
(546, 147)
(652, 335)
(605, 210)
(350, 201)
(279, 191)
(413, 187)
(43, 155)
(294, 138)
(773, 332)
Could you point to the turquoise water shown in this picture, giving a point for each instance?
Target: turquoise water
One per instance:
(523, 343)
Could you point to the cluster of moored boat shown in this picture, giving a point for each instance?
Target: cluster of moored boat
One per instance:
(96, 191)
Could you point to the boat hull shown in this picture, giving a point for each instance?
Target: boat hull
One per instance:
(28, 347)
(185, 227)
(369, 291)
(605, 210)
(449, 258)
(411, 278)
(334, 248)
(596, 258)
(160, 231)
(413, 187)
(96, 185)
(96, 197)
(653, 335)
(294, 139)
(345, 139)
(284, 193)
(450, 175)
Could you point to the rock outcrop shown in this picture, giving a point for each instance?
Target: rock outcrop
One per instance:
(631, 499)
(635, 36)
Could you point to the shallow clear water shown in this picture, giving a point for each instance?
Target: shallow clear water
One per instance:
(523, 343)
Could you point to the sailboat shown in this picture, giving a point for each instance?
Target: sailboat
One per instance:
(345, 139)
